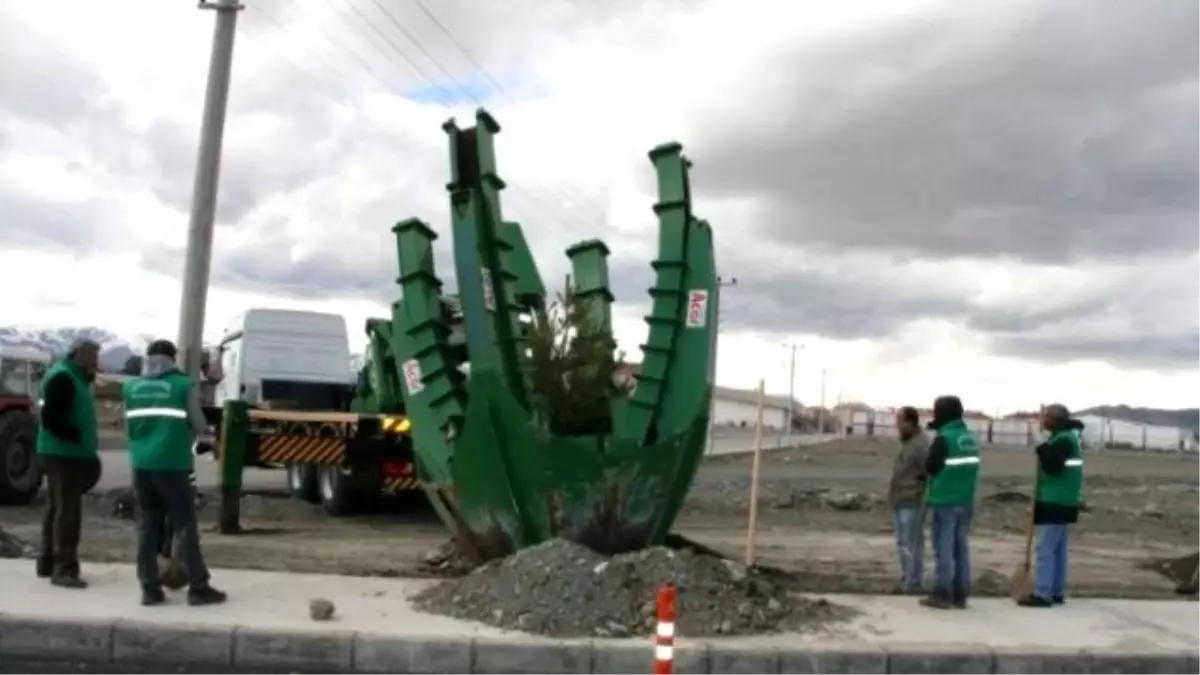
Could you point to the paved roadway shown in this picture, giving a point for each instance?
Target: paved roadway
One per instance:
(726, 441)
(116, 473)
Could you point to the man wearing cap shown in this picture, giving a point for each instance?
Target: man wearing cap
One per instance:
(162, 418)
(67, 444)
(1056, 504)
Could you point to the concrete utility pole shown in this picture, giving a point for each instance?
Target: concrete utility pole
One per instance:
(791, 390)
(712, 404)
(204, 189)
(821, 413)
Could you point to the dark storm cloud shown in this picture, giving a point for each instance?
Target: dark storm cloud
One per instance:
(1049, 130)
(807, 300)
(1156, 352)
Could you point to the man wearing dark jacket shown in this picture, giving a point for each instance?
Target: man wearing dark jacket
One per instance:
(67, 444)
(953, 467)
(162, 418)
(906, 496)
(1056, 503)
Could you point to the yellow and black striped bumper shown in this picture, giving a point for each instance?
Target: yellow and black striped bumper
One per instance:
(302, 449)
(395, 424)
(400, 484)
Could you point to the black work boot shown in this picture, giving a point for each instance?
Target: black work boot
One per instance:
(153, 596)
(960, 601)
(205, 595)
(936, 600)
(45, 566)
(63, 581)
(1059, 600)
(1032, 600)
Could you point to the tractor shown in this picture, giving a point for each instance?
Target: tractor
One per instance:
(21, 370)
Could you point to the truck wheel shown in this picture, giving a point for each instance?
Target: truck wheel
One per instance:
(20, 472)
(336, 490)
(302, 482)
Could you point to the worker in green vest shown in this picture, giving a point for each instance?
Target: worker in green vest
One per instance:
(1056, 503)
(67, 445)
(953, 468)
(162, 418)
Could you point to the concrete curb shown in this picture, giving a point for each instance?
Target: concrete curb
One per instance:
(130, 643)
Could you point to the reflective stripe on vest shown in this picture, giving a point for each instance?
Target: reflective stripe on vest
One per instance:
(960, 461)
(175, 413)
(1074, 462)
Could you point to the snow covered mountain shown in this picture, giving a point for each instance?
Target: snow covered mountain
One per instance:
(114, 349)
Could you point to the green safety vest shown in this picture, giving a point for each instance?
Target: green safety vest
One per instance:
(156, 422)
(955, 485)
(1067, 487)
(83, 414)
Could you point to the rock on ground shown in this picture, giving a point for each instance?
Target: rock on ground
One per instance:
(321, 609)
(562, 589)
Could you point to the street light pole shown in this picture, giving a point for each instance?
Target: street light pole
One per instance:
(712, 403)
(821, 413)
(204, 191)
(791, 391)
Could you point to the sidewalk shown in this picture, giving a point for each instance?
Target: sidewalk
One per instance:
(266, 625)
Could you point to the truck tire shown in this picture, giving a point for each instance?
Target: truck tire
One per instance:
(302, 482)
(20, 470)
(337, 494)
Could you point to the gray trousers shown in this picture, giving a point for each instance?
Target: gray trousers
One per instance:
(166, 497)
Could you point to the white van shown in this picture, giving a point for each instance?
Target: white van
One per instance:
(288, 359)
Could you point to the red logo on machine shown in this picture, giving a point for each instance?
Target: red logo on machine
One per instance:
(697, 311)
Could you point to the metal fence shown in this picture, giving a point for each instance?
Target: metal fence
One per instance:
(1098, 432)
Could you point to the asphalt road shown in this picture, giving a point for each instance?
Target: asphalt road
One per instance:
(116, 473)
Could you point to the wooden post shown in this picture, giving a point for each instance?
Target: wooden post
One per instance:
(758, 434)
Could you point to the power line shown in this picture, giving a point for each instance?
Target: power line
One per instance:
(432, 81)
(338, 46)
(487, 75)
(470, 59)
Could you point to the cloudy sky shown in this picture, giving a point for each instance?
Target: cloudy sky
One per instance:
(996, 198)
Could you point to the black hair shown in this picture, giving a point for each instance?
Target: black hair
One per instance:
(909, 414)
(161, 348)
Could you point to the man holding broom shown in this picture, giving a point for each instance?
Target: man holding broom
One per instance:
(1056, 504)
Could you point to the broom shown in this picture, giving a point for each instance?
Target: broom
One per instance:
(1022, 580)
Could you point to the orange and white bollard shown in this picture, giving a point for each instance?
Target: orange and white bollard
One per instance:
(664, 635)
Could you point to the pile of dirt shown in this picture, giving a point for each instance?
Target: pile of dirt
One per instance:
(562, 589)
(1181, 570)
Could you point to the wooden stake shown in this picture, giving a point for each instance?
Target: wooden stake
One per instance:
(758, 436)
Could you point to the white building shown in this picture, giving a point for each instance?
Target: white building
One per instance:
(739, 407)
(1103, 431)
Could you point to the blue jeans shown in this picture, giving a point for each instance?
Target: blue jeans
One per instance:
(1051, 567)
(910, 546)
(951, 529)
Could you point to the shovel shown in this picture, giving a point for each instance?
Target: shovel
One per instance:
(1022, 580)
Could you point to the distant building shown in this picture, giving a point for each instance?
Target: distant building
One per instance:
(739, 407)
(731, 407)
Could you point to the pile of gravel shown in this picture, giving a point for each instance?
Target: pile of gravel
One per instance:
(562, 589)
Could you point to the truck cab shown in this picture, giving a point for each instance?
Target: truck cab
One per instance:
(285, 359)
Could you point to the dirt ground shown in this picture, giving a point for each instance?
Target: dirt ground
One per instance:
(821, 518)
